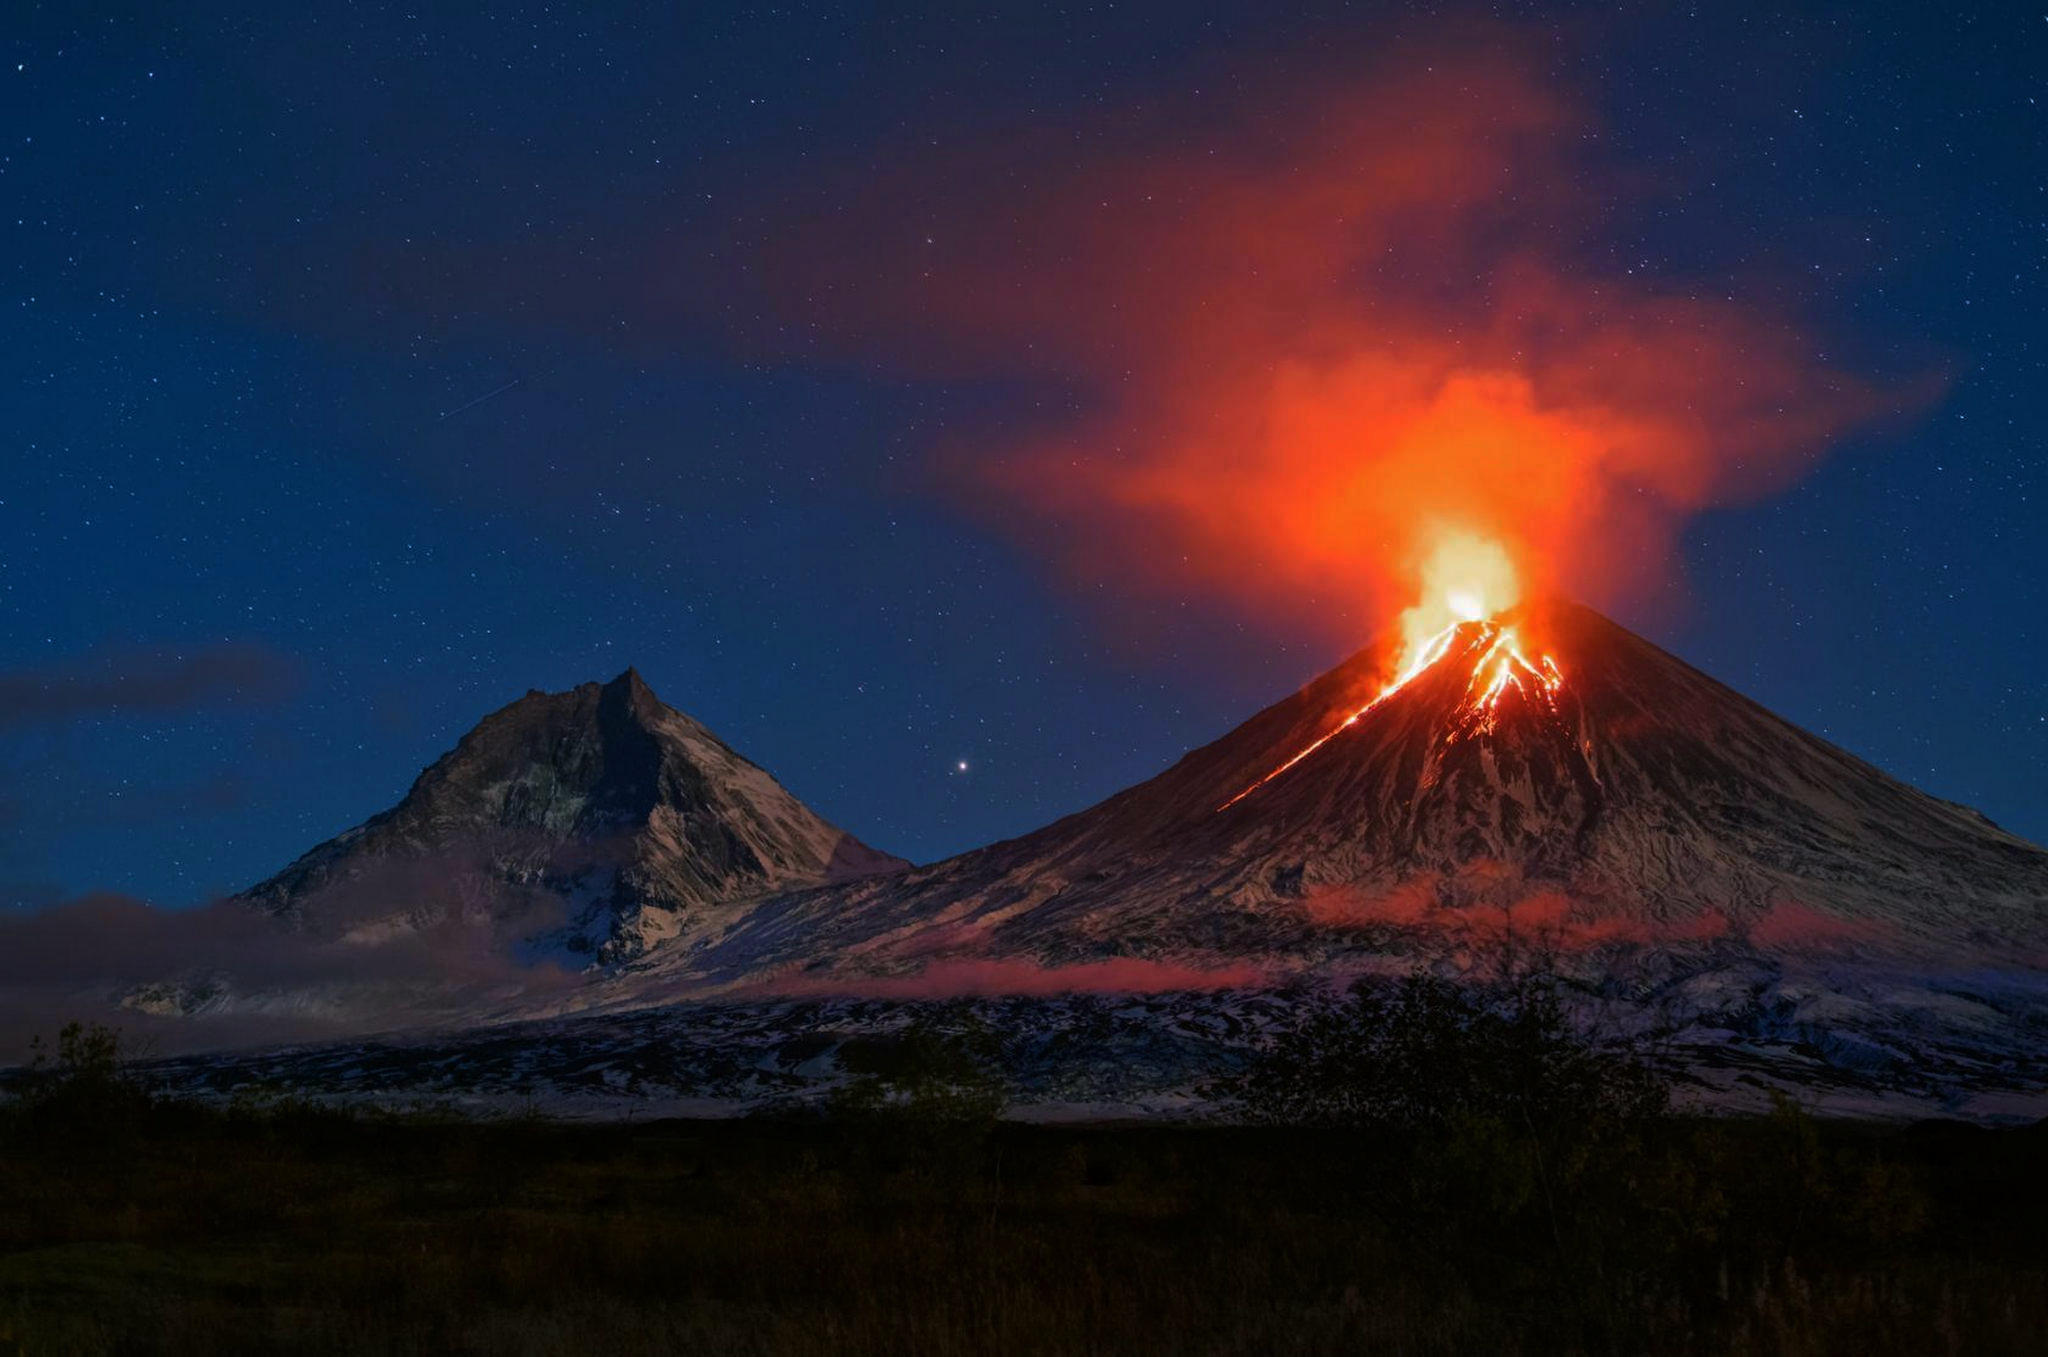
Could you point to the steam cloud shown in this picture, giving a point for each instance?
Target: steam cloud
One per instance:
(1305, 340)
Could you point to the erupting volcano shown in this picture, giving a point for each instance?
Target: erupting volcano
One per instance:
(1490, 653)
(1497, 777)
(1522, 767)
(1462, 574)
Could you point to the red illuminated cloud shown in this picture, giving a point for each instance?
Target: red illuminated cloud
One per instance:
(1296, 341)
(967, 977)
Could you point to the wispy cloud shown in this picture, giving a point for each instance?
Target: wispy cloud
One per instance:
(81, 958)
(147, 680)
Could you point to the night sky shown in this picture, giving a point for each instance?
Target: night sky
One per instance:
(367, 366)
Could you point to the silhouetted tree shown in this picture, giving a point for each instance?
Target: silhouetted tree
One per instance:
(1426, 1053)
(1500, 1134)
(930, 1094)
(80, 1092)
(936, 1071)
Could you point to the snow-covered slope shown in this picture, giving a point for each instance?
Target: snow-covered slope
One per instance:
(1838, 1043)
(601, 816)
(1774, 912)
(1636, 802)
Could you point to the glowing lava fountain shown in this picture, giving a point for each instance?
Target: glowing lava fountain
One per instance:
(1471, 582)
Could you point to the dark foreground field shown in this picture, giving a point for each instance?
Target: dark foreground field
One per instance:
(177, 1229)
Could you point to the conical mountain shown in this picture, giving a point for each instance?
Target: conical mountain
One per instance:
(601, 817)
(1548, 773)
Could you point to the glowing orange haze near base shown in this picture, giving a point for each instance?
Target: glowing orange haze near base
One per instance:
(1315, 342)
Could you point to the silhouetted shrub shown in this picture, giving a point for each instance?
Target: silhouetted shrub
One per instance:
(1499, 1135)
(936, 1071)
(1803, 1194)
(929, 1095)
(79, 1093)
(1427, 1054)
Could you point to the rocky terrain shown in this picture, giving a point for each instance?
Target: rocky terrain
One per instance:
(1845, 1043)
(601, 819)
(1549, 791)
(1640, 805)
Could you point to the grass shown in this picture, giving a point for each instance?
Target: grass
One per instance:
(184, 1230)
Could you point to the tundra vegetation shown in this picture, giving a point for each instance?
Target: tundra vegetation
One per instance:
(1423, 1170)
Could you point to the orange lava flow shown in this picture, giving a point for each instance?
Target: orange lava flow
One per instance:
(1501, 664)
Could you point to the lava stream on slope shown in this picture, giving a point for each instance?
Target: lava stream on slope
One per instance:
(1497, 663)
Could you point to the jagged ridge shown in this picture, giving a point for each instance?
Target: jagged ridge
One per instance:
(632, 819)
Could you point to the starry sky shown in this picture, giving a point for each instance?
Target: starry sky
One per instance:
(344, 405)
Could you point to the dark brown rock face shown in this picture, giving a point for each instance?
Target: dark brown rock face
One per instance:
(600, 816)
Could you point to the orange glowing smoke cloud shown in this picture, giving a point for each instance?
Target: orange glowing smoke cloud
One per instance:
(1311, 343)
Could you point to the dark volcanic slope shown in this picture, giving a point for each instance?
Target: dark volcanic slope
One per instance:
(632, 820)
(1655, 802)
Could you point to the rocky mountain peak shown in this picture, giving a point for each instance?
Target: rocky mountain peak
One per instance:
(631, 692)
(602, 815)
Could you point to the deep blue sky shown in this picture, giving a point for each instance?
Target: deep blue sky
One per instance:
(260, 565)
